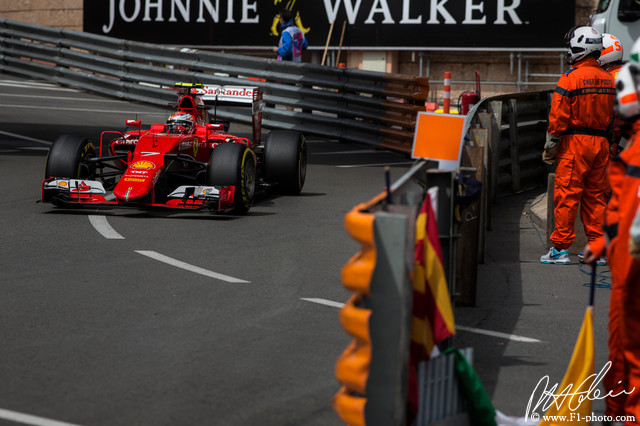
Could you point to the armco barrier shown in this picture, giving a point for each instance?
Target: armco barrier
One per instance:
(347, 104)
(515, 127)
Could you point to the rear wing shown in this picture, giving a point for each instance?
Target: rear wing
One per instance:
(237, 96)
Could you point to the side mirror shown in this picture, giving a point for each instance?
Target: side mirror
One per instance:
(134, 123)
(216, 126)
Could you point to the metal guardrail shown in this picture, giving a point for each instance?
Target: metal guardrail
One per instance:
(352, 105)
(516, 125)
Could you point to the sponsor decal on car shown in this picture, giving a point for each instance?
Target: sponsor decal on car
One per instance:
(147, 165)
(134, 179)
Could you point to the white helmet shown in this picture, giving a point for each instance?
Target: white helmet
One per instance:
(611, 49)
(582, 41)
(627, 88)
(635, 52)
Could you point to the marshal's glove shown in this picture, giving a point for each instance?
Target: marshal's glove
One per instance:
(550, 149)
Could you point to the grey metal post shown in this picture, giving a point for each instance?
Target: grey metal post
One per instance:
(390, 322)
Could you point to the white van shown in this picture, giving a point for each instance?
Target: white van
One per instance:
(620, 18)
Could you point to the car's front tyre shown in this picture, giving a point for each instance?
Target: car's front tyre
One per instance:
(233, 164)
(68, 157)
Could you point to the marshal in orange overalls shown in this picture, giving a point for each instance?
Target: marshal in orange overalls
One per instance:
(624, 315)
(581, 116)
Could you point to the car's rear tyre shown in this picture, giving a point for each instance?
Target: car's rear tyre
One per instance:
(233, 164)
(285, 161)
(68, 157)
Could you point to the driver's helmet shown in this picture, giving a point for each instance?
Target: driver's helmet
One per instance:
(582, 42)
(181, 122)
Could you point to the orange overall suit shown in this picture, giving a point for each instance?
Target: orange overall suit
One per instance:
(624, 317)
(581, 116)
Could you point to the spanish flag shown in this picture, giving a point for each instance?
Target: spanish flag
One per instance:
(432, 316)
(431, 313)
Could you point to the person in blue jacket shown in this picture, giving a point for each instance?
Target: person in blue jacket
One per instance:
(292, 41)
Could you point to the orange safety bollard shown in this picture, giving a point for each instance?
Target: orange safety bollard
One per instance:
(446, 102)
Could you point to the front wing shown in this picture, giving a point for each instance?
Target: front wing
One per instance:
(82, 193)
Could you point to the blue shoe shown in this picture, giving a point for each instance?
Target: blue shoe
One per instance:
(556, 257)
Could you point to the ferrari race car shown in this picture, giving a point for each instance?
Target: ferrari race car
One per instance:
(187, 163)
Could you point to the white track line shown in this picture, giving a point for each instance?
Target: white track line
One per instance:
(15, 135)
(511, 337)
(325, 302)
(179, 264)
(102, 226)
(65, 98)
(351, 166)
(105, 111)
(35, 86)
(28, 419)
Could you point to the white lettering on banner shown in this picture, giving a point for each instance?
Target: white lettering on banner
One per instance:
(246, 7)
(250, 13)
(468, 14)
(405, 14)
(511, 10)
(438, 8)
(352, 12)
(382, 8)
(136, 11)
(475, 11)
(212, 12)
(182, 8)
(147, 9)
(229, 19)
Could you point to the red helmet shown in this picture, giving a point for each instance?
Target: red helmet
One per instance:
(181, 122)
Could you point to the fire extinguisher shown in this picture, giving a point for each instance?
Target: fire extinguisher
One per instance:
(469, 99)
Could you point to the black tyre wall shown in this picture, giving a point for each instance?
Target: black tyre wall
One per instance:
(67, 157)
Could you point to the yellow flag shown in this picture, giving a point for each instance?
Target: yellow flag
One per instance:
(569, 402)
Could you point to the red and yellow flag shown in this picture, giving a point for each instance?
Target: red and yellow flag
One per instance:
(432, 315)
(431, 312)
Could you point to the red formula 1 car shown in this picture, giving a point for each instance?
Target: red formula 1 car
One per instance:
(187, 163)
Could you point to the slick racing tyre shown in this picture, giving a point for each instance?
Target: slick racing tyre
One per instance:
(68, 157)
(233, 164)
(285, 161)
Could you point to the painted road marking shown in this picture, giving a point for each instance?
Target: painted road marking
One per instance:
(375, 165)
(325, 302)
(29, 419)
(105, 111)
(102, 226)
(512, 337)
(182, 265)
(14, 135)
(35, 86)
